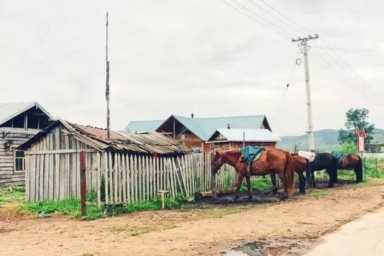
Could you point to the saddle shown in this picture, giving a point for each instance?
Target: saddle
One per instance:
(310, 156)
(250, 154)
(338, 155)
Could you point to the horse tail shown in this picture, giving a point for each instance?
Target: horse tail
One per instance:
(289, 176)
(359, 170)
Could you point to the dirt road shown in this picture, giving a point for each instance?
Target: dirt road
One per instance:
(192, 232)
(364, 236)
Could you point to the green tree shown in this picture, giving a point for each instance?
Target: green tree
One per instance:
(356, 119)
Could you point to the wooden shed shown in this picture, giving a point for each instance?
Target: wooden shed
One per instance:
(53, 161)
(18, 123)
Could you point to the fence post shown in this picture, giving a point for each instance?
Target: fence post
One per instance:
(83, 185)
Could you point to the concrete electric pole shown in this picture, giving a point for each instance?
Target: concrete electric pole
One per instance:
(107, 77)
(303, 44)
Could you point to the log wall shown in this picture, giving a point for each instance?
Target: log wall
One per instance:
(16, 137)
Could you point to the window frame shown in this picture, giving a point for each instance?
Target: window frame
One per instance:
(16, 158)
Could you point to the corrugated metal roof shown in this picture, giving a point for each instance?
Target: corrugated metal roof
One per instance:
(237, 135)
(143, 126)
(205, 127)
(13, 109)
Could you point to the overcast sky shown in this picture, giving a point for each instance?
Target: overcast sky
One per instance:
(183, 56)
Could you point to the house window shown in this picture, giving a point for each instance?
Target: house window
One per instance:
(19, 160)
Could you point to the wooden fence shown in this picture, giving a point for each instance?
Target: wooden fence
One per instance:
(131, 179)
(119, 178)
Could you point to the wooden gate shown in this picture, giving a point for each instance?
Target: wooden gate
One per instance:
(55, 175)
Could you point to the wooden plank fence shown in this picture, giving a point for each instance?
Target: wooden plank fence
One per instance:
(120, 178)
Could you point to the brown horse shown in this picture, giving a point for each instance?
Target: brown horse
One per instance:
(300, 166)
(351, 162)
(271, 161)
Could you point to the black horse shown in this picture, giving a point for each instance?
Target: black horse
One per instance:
(322, 161)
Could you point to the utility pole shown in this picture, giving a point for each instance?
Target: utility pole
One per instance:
(303, 45)
(107, 78)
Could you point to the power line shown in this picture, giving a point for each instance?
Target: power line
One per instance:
(331, 56)
(244, 10)
(266, 7)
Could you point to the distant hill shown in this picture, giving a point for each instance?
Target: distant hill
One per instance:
(326, 140)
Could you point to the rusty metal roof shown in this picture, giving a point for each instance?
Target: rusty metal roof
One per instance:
(147, 143)
(151, 143)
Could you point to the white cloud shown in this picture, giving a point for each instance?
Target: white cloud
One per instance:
(198, 56)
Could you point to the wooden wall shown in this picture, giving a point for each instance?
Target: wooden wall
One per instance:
(17, 136)
(189, 140)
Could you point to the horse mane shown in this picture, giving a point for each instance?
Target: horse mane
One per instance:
(230, 152)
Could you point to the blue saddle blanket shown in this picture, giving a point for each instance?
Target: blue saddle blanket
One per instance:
(251, 153)
(338, 155)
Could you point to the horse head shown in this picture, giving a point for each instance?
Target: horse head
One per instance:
(217, 161)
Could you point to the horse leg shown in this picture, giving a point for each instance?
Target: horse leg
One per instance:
(283, 180)
(335, 177)
(213, 184)
(331, 174)
(248, 179)
(240, 178)
(359, 171)
(308, 174)
(313, 179)
(274, 183)
(301, 182)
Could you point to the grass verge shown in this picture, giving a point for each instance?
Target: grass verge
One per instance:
(12, 195)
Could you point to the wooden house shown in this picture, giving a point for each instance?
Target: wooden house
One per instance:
(18, 123)
(230, 139)
(53, 158)
(195, 133)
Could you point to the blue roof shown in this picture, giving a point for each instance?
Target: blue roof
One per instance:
(143, 126)
(205, 127)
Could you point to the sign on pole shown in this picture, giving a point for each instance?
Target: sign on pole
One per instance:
(361, 135)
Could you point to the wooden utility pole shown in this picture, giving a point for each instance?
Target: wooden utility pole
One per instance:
(303, 44)
(107, 78)
(83, 185)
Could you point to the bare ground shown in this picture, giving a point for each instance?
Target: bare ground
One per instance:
(207, 231)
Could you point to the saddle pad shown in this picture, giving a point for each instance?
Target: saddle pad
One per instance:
(251, 153)
(310, 156)
(338, 155)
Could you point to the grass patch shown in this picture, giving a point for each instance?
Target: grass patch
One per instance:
(318, 193)
(372, 168)
(258, 184)
(14, 195)
(70, 207)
